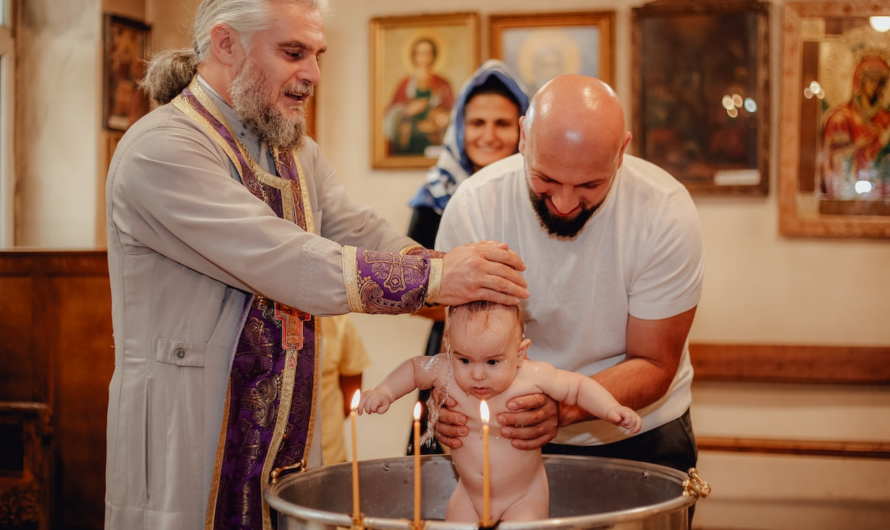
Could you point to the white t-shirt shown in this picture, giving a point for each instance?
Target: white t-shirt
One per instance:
(641, 253)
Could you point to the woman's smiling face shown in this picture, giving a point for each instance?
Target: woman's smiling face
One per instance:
(491, 129)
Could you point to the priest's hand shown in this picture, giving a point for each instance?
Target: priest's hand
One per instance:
(533, 422)
(451, 426)
(486, 270)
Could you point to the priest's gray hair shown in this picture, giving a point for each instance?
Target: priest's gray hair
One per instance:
(170, 71)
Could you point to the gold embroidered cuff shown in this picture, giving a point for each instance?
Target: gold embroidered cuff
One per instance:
(435, 282)
(350, 278)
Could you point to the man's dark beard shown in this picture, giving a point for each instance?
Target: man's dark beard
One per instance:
(263, 118)
(562, 227)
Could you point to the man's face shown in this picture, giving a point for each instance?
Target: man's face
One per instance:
(566, 186)
(486, 350)
(276, 78)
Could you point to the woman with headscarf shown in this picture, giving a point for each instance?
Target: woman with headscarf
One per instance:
(484, 129)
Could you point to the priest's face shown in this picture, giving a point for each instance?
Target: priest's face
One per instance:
(274, 81)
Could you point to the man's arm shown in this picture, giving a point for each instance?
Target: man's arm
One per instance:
(654, 348)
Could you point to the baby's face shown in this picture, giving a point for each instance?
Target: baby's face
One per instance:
(486, 349)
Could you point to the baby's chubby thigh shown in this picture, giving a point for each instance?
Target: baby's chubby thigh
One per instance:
(530, 504)
(460, 507)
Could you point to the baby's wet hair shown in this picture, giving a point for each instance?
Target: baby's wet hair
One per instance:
(483, 307)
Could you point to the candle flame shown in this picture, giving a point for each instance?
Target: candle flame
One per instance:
(417, 411)
(483, 411)
(355, 399)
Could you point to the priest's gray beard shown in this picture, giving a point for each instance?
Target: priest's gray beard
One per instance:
(262, 117)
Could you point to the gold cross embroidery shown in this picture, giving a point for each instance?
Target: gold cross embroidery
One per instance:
(292, 328)
(396, 271)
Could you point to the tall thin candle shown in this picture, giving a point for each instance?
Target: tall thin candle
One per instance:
(356, 512)
(417, 464)
(486, 475)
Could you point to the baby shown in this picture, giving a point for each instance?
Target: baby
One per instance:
(485, 359)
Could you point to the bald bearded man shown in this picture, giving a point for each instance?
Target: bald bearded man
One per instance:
(614, 256)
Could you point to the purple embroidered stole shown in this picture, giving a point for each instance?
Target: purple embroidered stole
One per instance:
(268, 418)
(267, 422)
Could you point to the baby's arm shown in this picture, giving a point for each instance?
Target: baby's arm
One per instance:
(417, 372)
(573, 388)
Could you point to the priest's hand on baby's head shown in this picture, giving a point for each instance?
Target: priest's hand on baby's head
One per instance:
(376, 401)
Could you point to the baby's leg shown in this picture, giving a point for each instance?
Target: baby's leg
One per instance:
(460, 507)
(534, 505)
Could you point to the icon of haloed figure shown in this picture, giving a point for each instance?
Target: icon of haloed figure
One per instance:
(419, 112)
(126, 70)
(856, 137)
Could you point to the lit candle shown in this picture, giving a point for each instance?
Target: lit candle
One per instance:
(486, 479)
(355, 503)
(417, 464)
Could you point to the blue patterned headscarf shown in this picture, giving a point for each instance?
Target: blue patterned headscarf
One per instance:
(454, 166)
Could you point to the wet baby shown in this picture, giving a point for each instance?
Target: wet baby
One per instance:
(486, 359)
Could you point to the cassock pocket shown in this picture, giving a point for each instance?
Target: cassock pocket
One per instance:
(181, 353)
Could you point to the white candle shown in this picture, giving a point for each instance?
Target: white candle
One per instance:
(486, 479)
(417, 464)
(355, 501)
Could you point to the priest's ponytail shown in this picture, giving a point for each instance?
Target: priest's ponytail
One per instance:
(168, 73)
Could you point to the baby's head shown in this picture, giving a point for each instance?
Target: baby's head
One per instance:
(487, 346)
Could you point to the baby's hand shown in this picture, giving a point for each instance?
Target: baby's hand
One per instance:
(374, 400)
(625, 417)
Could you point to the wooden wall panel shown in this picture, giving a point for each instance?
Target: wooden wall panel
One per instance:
(19, 381)
(56, 348)
(84, 361)
(778, 363)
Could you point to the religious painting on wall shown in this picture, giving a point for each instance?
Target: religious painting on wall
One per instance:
(835, 122)
(701, 92)
(541, 46)
(417, 65)
(126, 48)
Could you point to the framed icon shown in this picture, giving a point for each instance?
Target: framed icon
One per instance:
(417, 65)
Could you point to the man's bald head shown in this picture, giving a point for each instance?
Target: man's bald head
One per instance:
(578, 114)
(573, 139)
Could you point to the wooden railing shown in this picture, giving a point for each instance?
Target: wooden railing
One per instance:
(770, 363)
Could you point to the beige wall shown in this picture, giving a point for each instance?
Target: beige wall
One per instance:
(57, 135)
(760, 287)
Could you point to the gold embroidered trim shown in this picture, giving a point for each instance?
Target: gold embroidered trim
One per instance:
(287, 394)
(307, 205)
(316, 399)
(282, 184)
(350, 278)
(434, 284)
(304, 192)
(189, 111)
(217, 463)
